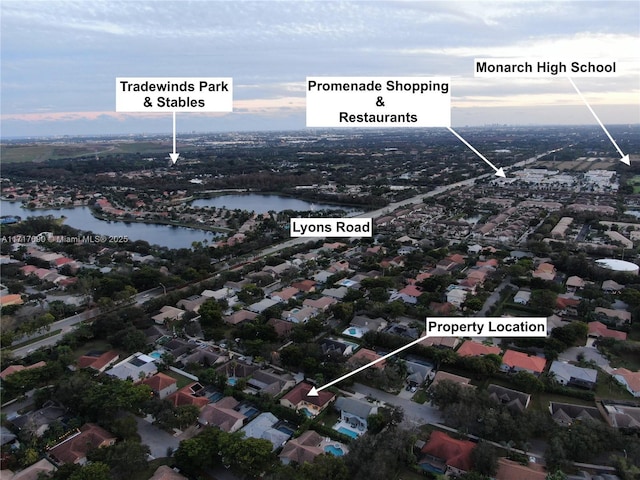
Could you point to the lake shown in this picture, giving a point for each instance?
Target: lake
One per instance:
(165, 235)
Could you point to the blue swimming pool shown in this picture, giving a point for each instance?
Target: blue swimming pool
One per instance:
(157, 354)
(232, 381)
(285, 429)
(307, 412)
(333, 450)
(348, 432)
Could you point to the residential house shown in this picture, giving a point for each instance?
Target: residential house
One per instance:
(322, 304)
(612, 315)
(573, 376)
(365, 356)
(298, 398)
(192, 303)
(370, 324)
(408, 294)
(522, 297)
(37, 422)
(74, 449)
(574, 283)
(168, 314)
(337, 293)
(236, 369)
(223, 414)
(11, 369)
(220, 294)
(270, 382)
(303, 449)
(264, 426)
(611, 286)
(136, 367)
(621, 416)
(567, 304)
(513, 399)
(262, 305)
(299, 315)
(417, 372)
(545, 271)
(285, 294)
(510, 470)
(41, 469)
(456, 296)
(241, 316)
(306, 286)
(188, 395)
(474, 349)
(161, 385)
(205, 357)
(513, 361)
(445, 455)
(355, 412)
(282, 327)
(330, 345)
(450, 377)
(164, 472)
(630, 380)
(98, 361)
(441, 342)
(599, 329)
(565, 414)
(11, 299)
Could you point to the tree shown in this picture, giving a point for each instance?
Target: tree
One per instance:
(325, 467)
(123, 458)
(254, 457)
(485, 459)
(92, 471)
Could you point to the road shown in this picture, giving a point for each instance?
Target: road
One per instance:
(66, 325)
(493, 298)
(415, 414)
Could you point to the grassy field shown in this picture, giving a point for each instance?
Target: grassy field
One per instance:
(41, 152)
(182, 380)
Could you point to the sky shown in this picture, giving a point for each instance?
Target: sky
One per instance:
(59, 59)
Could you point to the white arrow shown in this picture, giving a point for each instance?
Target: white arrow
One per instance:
(174, 156)
(314, 391)
(624, 158)
(499, 171)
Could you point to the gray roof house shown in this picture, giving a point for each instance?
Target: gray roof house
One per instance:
(567, 374)
(264, 426)
(355, 412)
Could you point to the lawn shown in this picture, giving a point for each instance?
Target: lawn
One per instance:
(420, 396)
(182, 380)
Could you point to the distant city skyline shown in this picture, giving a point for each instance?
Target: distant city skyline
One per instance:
(60, 59)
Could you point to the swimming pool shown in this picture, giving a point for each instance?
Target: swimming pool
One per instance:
(156, 354)
(349, 433)
(307, 412)
(333, 450)
(285, 429)
(232, 381)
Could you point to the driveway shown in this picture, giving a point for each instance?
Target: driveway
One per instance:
(590, 353)
(415, 414)
(157, 439)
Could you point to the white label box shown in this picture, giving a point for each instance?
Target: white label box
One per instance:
(521, 67)
(174, 94)
(376, 102)
(331, 227)
(486, 327)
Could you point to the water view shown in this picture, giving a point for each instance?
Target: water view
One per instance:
(165, 235)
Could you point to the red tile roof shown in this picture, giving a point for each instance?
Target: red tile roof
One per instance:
(474, 349)
(411, 291)
(300, 393)
(364, 356)
(159, 381)
(17, 368)
(98, 363)
(601, 330)
(524, 361)
(510, 470)
(185, 396)
(75, 448)
(456, 453)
